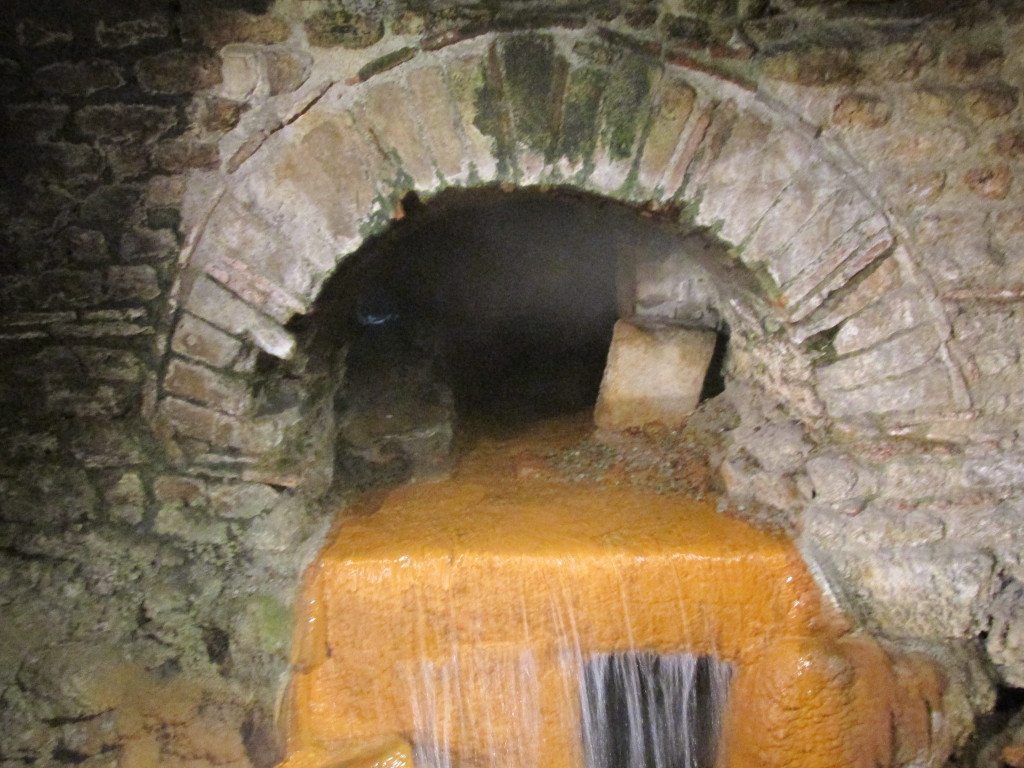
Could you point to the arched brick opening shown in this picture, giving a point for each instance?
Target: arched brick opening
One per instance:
(645, 132)
(842, 328)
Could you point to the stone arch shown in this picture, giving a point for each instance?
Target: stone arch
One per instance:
(553, 108)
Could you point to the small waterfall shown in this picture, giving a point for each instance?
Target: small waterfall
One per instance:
(643, 710)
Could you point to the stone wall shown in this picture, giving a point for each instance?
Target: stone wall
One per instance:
(178, 186)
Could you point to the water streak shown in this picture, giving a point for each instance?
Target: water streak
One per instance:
(643, 710)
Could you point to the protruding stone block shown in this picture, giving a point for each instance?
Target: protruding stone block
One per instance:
(653, 375)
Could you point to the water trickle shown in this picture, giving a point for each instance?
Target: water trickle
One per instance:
(644, 710)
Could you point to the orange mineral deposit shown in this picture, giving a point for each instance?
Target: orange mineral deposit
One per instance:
(452, 624)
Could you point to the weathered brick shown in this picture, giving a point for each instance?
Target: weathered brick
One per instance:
(131, 32)
(125, 122)
(60, 288)
(854, 252)
(577, 138)
(466, 80)
(176, 71)
(215, 113)
(139, 244)
(82, 78)
(199, 340)
(243, 500)
(109, 204)
(861, 110)
(87, 401)
(203, 385)
(969, 62)
(337, 173)
(990, 102)
(335, 26)
(812, 241)
(813, 67)
(241, 71)
(625, 106)
(82, 246)
(179, 489)
(126, 499)
(132, 283)
(200, 423)
(36, 33)
(990, 181)
(181, 155)
(67, 163)
(286, 70)
(35, 121)
(215, 26)
(1010, 143)
(689, 143)
(235, 234)
(534, 84)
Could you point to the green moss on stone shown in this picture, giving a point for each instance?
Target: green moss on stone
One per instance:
(385, 62)
(491, 117)
(582, 106)
(272, 622)
(625, 105)
(335, 25)
(534, 82)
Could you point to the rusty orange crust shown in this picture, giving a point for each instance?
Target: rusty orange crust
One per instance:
(467, 573)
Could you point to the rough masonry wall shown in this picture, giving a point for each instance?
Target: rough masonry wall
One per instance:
(163, 536)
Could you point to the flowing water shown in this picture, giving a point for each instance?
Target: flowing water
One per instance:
(642, 710)
(506, 618)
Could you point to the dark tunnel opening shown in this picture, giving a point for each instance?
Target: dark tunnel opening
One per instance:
(482, 313)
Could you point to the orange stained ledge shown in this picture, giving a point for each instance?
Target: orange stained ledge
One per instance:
(460, 612)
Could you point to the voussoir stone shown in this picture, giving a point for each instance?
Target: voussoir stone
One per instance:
(674, 106)
(217, 305)
(388, 118)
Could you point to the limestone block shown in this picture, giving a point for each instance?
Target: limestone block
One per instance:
(924, 389)
(1005, 640)
(836, 478)
(201, 341)
(899, 310)
(900, 354)
(931, 591)
(653, 374)
(240, 71)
